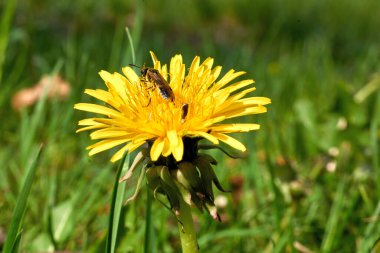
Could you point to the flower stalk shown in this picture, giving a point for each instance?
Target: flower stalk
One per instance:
(186, 229)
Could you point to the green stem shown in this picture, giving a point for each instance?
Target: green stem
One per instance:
(148, 224)
(186, 229)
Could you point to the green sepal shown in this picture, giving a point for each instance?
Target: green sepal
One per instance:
(185, 193)
(205, 170)
(213, 146)
(208, 158)
(152, 177)
(213, 211)
(170, 188)
(188, 175)
(211, 171)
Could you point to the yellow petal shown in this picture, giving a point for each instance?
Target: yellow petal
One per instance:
(231, 128)
(134, 145)
(236, 86)
(156, 62)
(164, 72)
(89, 128)
(117, 122)
(228, 77)
(119, 154)
(203, 134)
(216, 72)
(142, 137)
(129, 147)
(230, 141)
(167, 150)
(106, 76)
(153, 56)
(88, 122)
(178, 150)
(156, 150)
(102, 95)
(172, 137)
(120, 84)
(104, 145)
(256, 100)
(244, 111)
(194, 65)
(231, 100)
(97, 109)
(213, 120)
(235, 103)
(109, 133)
(208, 62)
(131, 75)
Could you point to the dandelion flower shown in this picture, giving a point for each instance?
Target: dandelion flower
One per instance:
(171, 108)
(135, 110)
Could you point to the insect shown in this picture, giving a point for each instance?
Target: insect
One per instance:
(185, 111)
(158, 81)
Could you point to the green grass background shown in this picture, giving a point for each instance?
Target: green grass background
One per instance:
(319, 62)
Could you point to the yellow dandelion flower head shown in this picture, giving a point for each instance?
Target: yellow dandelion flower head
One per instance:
(165, 105)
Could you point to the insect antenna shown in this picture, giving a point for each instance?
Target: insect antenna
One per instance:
(133, 65)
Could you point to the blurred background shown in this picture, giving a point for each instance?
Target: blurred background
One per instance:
(310, 180)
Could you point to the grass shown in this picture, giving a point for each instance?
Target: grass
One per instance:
(311, 177)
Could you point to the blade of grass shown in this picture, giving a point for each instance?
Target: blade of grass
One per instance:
(278, 199)
(148, 223)
(256, 176)
(14, 233)
(283, 240)
(374, 129)
(134, 35)
(228, 234)
(333, 225)
(138, 22)
(7, 15)
(376, 246)
(16, 242)
(370, 231)
(30, 124)
(116, 205)
(117, 46)
(131, 45)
